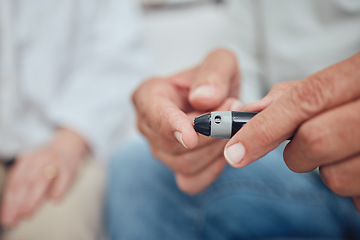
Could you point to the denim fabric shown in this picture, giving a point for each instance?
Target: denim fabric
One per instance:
(264, 200)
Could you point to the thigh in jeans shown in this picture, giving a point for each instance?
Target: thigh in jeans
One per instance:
(263, 200)
(143, 201)
(267, 200)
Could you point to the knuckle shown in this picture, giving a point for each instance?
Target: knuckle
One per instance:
(314, 141)
(141, 127)
(155, 152)
(223, 52)
(145, 88)
(188, 189)
(335, 180)
(290, 164)
(309, 95)
(291, 160)
(136, 96)
(279, 86)
(183, 166)
(186, 185)
(212, 77)
(219, 166)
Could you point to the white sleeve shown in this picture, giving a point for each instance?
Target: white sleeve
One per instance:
(106, 65)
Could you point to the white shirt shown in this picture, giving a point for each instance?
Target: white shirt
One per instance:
(282, 40)
(74, 63)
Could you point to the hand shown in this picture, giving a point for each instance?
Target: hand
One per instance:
(322, 111)
(47, 172)
(166, 108)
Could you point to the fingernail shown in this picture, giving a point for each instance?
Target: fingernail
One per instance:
(235, 153)
(205, 91)
(236, 106)
(178, 136)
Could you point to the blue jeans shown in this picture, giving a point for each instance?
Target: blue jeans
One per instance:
(264, 200)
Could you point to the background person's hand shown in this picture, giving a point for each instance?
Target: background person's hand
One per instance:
(166, 108)
(42, 174)
(323, 113)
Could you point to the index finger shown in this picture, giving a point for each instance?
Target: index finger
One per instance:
(162, 106)
(324, 90)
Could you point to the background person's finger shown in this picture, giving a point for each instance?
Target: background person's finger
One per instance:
(61, 185)
(11, 204)
(343, 177)
(215, 79)
(14, 193)
(325, 90)
(331, 136)
(16, 187)
(35, 195)
(192, 184)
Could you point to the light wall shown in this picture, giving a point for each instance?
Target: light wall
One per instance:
(179, 37)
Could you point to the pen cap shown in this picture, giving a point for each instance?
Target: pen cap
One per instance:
(221, 124)
(202, 124)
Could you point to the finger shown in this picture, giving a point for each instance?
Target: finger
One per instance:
(216, 79)
(356, 201)
(259, 105)
(183, 79)
(327, 89)
(11, 204)
(159, 141)
(27, 184)
(329, 137)
(192, 162)
(276, 92)
(61, 185)
(15, 189)
(34, 197)
(172, 146)
(192, 184)
(343, 178)
(160, 107)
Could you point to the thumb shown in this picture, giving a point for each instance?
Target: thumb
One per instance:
(216, 79)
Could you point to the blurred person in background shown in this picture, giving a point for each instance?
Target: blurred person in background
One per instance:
(190, 193)
(67, 71)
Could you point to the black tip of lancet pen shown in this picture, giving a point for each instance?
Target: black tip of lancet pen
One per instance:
(202, 124)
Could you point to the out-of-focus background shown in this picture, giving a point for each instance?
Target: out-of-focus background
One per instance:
(179, 33)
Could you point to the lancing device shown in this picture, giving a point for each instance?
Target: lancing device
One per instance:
(221, 124)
